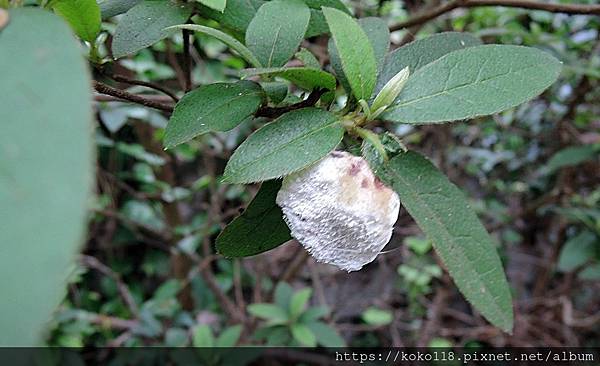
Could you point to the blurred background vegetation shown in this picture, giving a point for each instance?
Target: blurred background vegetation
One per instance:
(149, 275)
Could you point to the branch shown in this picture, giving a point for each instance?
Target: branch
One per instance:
(155, 98)
(163, 237)
(123, 79)
(273, 112)
(270, 112)
(121, 94)
(215, 198)
(187, 34)
(112, 322)
(94, 263)
(523, 4)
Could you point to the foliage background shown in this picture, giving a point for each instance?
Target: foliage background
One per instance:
(148, 274)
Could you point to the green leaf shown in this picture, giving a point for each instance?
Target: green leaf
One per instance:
(237, 15)
(259, 229)
(418, 245)
(374, 316)
(313, 314)
(378, 33)
(218, 5)
(82, 15)
(283, 294)
(590, 273)
(229, 337)
(276, 31)
(577, 251)
(110, 8)
(137, 151)
(270, 312)
(304, 335)
(304, 77)
(276, 91)
(225, 38)
(45, 170)
(326, 335)
(355, 52)
(299, 301)
(203, 336)
(168, 290)
(176, 337)
(318, 4)
(318, 24)
(214, 107)
(422, 52)
(144, 24)
(442, 212)
(570, 156)
(379, 36)
(440, 343)
(474, 81)
(308, 59)
(286, 145)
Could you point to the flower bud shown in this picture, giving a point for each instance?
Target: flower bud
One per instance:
(339, 210)
(391, 90)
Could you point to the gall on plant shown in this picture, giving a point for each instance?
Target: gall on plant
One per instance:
(339, 210)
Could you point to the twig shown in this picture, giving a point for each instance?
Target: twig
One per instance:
(523, 4)
(155, 98)
(123, 79)
(172, 59)
(274, 112)
(314, 275)
(295, 266)
(121, 94)
(258, 275)
(126, 187)
(187, 72)
(180, 263)
(235, 314)
(434, 315)
(118, 342)
(136, 226)
(237, 284)
(570, 320)
(111, 321)
(123, 289)
(270, 112)
(228, 306)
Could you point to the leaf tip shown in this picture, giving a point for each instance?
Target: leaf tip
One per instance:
(169, 143)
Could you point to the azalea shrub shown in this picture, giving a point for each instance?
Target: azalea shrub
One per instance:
(310, 103)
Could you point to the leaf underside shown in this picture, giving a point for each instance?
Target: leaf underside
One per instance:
(145, 23)
(45, 169)
(318, 24)
(110, 8)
